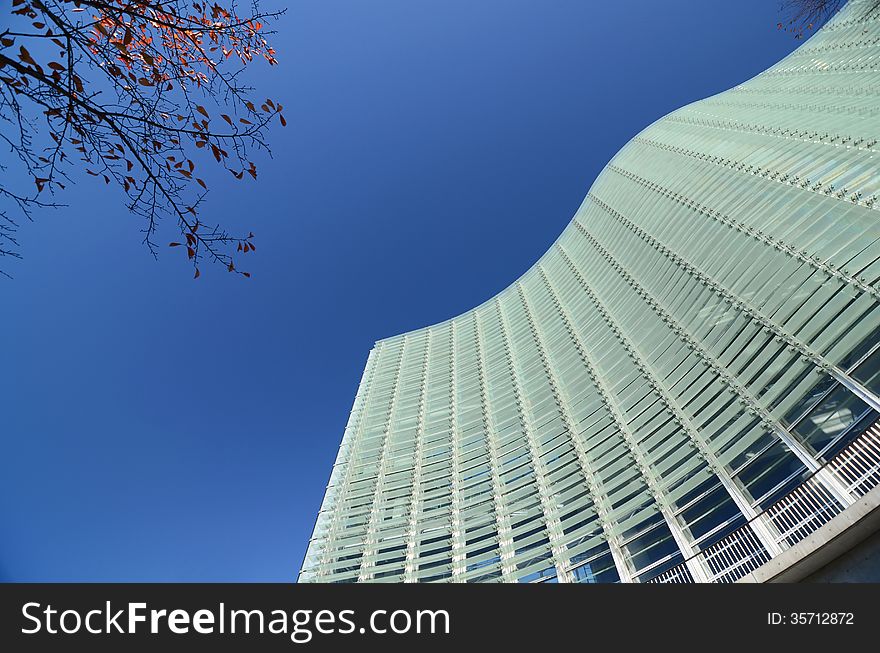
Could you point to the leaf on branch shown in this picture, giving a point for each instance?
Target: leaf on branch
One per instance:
(25, 56)
(110, 85)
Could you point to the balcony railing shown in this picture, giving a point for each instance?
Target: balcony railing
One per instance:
(857, 464)
(734, 556)
(678, 574)
(802, 511)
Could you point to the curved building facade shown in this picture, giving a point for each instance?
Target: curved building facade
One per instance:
(681, 389)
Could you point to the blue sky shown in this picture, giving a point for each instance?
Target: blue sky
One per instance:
(155, 428)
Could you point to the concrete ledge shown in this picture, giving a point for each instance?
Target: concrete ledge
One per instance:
(834, 539)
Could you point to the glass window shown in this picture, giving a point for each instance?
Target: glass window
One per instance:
(830, 419)
(868, 373)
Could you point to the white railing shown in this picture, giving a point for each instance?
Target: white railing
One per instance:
(857, 464)
(679, 574)
(734, 556)
(799, 513)
(802, 511)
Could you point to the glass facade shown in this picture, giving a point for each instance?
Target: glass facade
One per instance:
(698, 344)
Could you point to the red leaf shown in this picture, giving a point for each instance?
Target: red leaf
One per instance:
(25, 56)
(197, 274)
(173, 244)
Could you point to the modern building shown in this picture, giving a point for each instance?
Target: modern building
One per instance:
(684, 388)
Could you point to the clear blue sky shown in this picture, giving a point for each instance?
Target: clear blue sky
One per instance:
(158, 428)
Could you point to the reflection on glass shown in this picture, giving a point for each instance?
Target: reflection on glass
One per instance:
(831, 418)
(868, 373)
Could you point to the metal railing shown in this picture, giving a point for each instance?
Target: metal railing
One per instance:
(795, 516)
(802, 511)
(734, 556)
(857, 464)
(678, 574)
